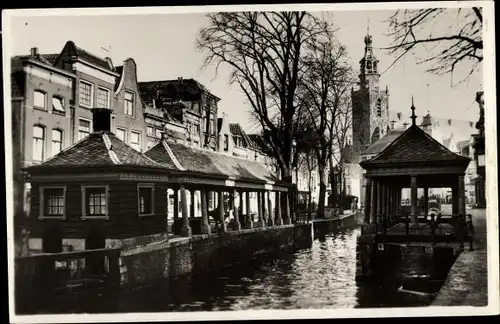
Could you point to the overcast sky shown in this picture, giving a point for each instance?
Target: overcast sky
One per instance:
(163, 47)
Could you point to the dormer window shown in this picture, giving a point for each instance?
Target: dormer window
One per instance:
(379, 107)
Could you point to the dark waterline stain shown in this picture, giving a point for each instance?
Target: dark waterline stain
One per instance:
(322, 276)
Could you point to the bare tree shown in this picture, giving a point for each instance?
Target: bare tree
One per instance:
(327, 78)
(340, 146)
(263, 51)
(449, 36)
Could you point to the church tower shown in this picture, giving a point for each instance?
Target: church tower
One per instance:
(370, 105)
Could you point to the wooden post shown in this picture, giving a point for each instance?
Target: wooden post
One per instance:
(270, 217)
(205, 226)
(426, 201)
(249, 220)
(222, 222)
(192, 193)
(374, 202)
(414, 220)
(277, 199)
(185, 229)
(461, 195)
(241, 210)
(368, 190)
(260, 221)
(176, 203)
(287, 218)
(237, 223)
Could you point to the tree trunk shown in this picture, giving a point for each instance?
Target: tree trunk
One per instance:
(322, 191)
(341, 195)
(333, 186)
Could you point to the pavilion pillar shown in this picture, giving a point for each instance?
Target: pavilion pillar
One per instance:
(270, 217)
(368, 205)
(176, 203)
(241, 210)
(374, 207)
(454, 200)
(222, 222)
(426, 201)
(260, 209)
(461, 195)
(413, 213)
(248, 220)
(191, 207)
(237, 223)
(398, 201)
(205, 225)
(287, 218)
(379, 193)
(277, 208)
(185, 229)
(389, 200)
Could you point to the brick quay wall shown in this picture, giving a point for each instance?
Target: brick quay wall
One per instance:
(179, 257)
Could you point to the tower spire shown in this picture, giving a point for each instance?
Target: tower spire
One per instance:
(368, 27)
(413, 116)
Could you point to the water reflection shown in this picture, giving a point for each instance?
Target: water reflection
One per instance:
(320, 277)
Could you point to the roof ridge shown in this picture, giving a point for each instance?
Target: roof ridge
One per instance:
(172, 156)
(109, 147)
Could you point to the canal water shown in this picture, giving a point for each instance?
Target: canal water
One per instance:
(322, 276)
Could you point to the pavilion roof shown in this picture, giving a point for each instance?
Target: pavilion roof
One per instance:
(206, 162)
(414, 146)
(96, 150)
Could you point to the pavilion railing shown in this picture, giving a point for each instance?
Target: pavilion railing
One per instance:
(462, 227)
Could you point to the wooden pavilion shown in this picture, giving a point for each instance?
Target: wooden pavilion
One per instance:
(413, 160)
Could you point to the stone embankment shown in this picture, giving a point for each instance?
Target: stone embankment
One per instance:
(467, 281)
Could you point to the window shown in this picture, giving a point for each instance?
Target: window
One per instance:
(95, 201)
(85, 94)
(57, 141)
(39, 99)
(379, 107)
(102, 98)
(226, 142)
(150, 131)
(38, 143)
(158, 132)
(129, 103)
(83, 129)
(211, 126)
(58, 104)
(196, 129)
(52, 202)
(135, 140)
(145, 194)
(121, 134)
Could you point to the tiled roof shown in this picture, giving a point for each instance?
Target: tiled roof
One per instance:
(92, 58)
(211, 163)
(188, 89)
(236, 129)
(414, 146)
(50, 58)
(99, 149)
(382, 143)
(158, 153)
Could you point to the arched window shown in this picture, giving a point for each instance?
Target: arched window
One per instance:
(379, 107)
(57, 141)
(38, 143)
(39, 99)
(376, 135)
(374, 66)
(369, 66)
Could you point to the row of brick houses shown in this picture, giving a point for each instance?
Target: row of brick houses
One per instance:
(52, 98)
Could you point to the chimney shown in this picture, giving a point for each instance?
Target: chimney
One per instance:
(405, 125)
(34, 51)
(449, 122)
(101, 119)
(393, 122)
